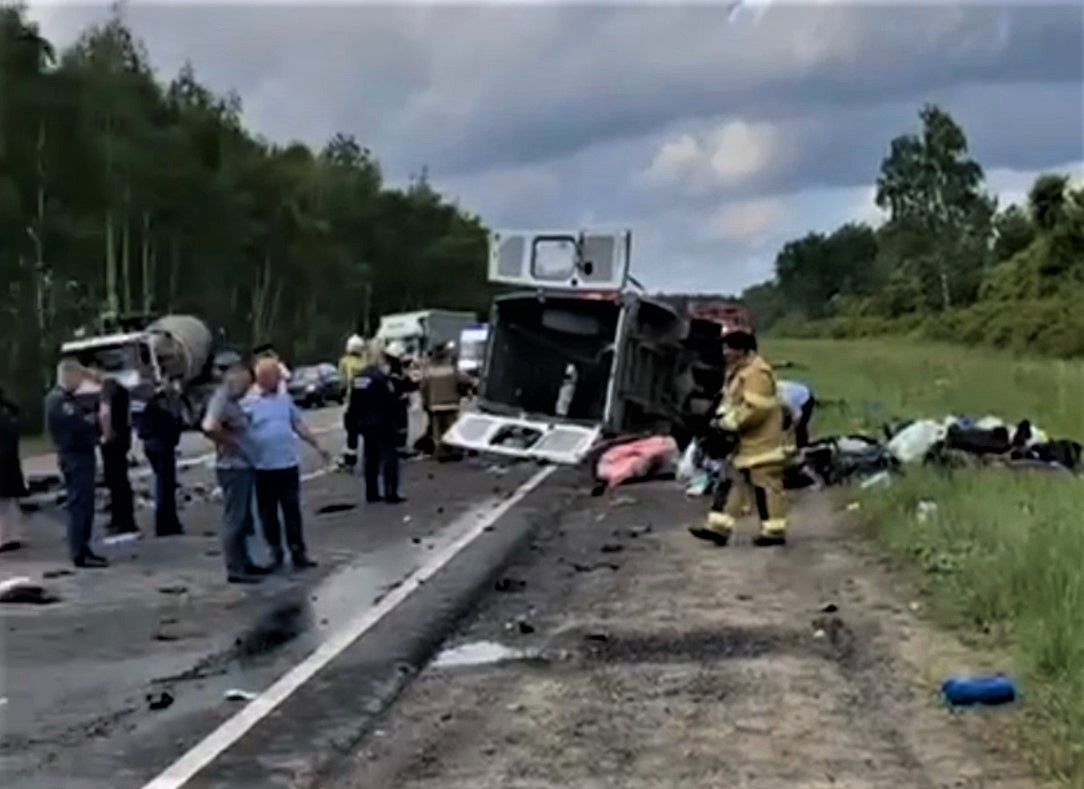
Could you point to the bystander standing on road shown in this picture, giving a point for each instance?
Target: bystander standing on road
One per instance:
(74, 432)
(12, 483)
(275, 425)
(267, 351)
(114, 417)
(375, 409)
(159, 427)
(227, 424)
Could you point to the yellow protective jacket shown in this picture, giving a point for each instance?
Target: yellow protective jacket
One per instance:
(751, 408)
(350, 367)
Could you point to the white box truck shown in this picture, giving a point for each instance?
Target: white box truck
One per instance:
(422, 331)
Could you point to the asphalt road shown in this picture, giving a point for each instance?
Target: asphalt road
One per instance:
(618, 652)
(82, 677)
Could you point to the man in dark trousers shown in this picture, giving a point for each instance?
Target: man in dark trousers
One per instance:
(275, 425)
(74, 432)
(114, 418)
(159, 427)
(375, 407)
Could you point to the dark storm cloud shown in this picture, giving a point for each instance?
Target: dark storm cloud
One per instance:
(698, 131)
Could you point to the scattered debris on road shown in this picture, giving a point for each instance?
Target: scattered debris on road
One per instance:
(586, 568)
(173, 590)
(329, 509)
(477, 654)
(23, 590)
(236, 694)
(509, 585)
(58, 573)
(159, 701)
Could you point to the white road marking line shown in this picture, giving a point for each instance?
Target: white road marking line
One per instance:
(229, 732)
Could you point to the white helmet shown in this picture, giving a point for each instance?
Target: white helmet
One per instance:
(395, 349)
(355, 344)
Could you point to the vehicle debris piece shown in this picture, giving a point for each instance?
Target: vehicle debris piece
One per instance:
(159, 701)
(477, 654)
(612, 547)
(23, 590)
(926, 510)
(173, 590)
(509, 585)
(586, 568)
(236, 694)
(58, 573)
(329, 509)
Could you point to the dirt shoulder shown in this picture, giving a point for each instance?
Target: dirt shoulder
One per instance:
(655, 660)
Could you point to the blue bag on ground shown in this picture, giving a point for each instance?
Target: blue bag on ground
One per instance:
(967, 691)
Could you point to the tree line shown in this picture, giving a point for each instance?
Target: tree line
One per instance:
(946, 263)
(122, 194)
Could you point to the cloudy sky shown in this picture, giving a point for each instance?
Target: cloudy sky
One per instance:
(715, 134)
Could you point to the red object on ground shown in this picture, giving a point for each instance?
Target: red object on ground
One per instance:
(637, 460)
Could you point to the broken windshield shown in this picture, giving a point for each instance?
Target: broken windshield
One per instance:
(116, 358)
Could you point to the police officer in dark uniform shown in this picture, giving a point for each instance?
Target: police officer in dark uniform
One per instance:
(74, 431)
(159, 427)
(404, 385)
(114, 419)
(375, 411)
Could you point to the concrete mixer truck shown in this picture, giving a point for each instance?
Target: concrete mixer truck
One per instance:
(180, 349)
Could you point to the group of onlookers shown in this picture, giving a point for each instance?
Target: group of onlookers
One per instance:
(255, 427)
(251, 419)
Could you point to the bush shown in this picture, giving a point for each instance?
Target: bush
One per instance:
(1049, 327)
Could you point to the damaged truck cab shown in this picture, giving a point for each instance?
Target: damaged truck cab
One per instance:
(574, 356)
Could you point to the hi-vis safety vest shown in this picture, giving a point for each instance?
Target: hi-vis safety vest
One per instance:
(751, 408)
(350, 367)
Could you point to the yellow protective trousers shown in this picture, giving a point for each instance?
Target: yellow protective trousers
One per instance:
(760, 487)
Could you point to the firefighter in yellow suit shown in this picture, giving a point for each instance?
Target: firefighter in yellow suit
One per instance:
(350, 366)
(751, 410)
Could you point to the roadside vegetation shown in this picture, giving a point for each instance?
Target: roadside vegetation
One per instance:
(1000, 558)
(123, 190)
(946, 263)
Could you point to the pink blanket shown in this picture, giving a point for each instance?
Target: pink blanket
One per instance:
(637, 460)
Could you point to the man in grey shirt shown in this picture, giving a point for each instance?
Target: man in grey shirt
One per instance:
(227, 425)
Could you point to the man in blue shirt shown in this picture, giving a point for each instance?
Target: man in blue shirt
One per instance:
(227, 425)
(274, 426)
(74, 430)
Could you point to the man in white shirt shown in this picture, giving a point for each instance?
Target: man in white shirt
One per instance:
(798, 399)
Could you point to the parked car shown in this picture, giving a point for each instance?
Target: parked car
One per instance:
(316, 385)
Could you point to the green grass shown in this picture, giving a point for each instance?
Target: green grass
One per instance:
(867, 382)
(1002, 558)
